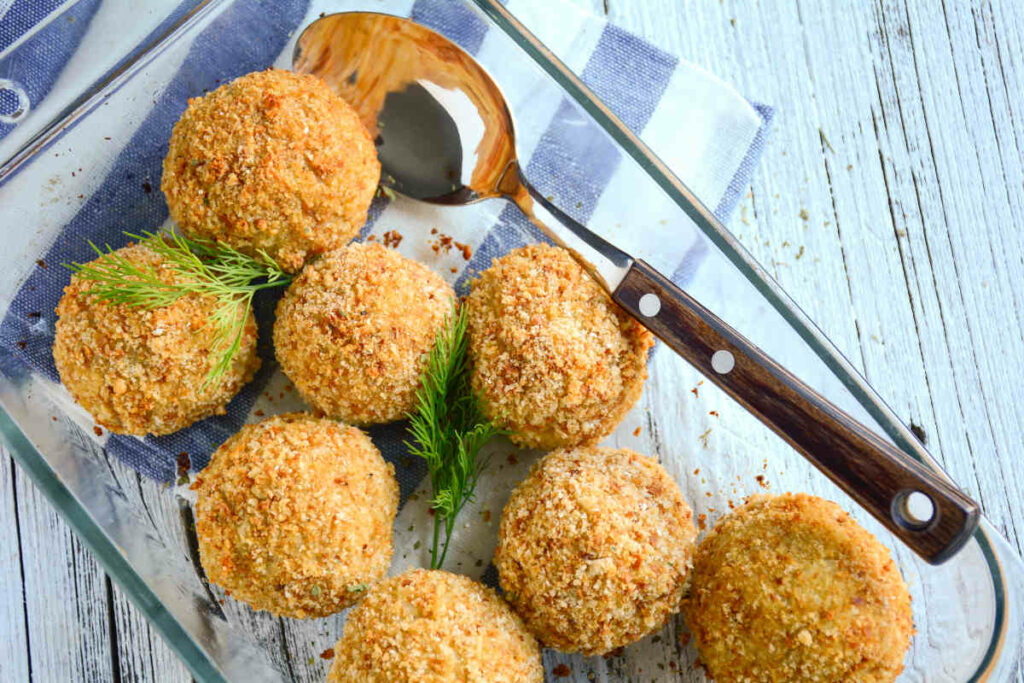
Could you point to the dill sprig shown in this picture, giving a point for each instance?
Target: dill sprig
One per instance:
(204, 267)
(448, 431)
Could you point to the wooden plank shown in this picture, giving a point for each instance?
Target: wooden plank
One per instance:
(306, 641)
(263, 628)
(141, 653)
(959, 270)
(14, 659)
(69, 630)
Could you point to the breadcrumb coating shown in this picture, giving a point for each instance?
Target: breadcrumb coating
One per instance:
(791, 588)
(141, 371)
(595, 548)
(275, 161)
(295, 515)
(555, 360)
(428, 626)
(354, 330)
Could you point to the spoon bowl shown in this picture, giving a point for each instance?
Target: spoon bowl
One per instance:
(443, 132)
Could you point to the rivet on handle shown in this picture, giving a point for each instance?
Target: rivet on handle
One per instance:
(722, 361)
(649, 305)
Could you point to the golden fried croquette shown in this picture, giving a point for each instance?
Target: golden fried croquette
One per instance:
(554, 360)
(595, 548)
(295, 515)
(791, 588)
(271, 161)
(434, 627)
(143, 370)
(354, 330)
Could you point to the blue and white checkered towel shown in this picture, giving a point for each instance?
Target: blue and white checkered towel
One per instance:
(704, 130)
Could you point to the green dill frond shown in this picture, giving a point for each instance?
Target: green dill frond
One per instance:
(203, 267)
(119, 281)
(448, 430)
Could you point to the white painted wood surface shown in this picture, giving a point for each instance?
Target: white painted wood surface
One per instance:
(889, 204)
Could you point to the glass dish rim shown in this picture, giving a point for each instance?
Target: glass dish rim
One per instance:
(92, 534)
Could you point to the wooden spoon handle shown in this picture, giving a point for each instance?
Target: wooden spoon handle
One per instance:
(870, 469)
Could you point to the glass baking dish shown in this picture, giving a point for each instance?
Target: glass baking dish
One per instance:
(968, 612)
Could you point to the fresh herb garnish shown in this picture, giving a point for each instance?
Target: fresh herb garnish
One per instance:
(448, 430)
(204, 267)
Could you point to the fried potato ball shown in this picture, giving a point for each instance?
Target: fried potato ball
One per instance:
(295, 515)
(143, 370)
(428, 626)
(354, 330)
(595, 548)
(791, 588)
(271, 161)
(555, 360)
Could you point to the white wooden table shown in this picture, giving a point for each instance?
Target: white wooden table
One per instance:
(889, 204)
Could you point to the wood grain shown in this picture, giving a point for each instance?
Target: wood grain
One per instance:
(900, 137)
(14, 651)
(66, 595)
(141, 655)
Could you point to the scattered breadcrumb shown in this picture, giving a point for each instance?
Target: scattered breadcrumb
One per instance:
(445, 243)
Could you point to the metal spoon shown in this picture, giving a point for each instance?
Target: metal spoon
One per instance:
(445, 136)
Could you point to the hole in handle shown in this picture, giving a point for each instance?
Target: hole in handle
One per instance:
(14, 102)
(914, 510)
